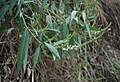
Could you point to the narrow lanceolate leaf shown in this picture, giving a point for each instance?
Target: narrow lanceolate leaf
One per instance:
(91, 28)
(64, 31)
(36, 56)
(23, 51)
(62, 8)
(72, 50)
(68, 19)
(80, 43)
(84, 16)
(3, 10)
(25, 57)
(53, 50)
(60, 52)
(49, 19)
(73, 14)
(53, 7)
(88, 30)
(12, 4)
(4, 25)
(87, 26)
(2, 2)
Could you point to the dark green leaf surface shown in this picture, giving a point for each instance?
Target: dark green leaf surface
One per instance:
(3, 10)
(12, 4)
(36, 56)
(64, 31)
(23, 49)
(2, 2)
(4, 25)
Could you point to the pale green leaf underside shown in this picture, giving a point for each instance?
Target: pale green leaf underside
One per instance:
(53, 50)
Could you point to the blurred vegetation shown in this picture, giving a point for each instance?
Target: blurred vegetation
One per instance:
(55, 41)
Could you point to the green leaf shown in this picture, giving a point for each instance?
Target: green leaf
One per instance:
(23, 50)
(12, 4)
(64, 31)
(60, 52)
(73, 14)
(20, 2)
(87, 26)
(3, 10)
(49, 19)
(55, 30)
(2, 2)
(76, 19)
(25, 58)
(58, 42)
(91, 28)
(80, 43)
(53, 50)
(79, 40)
(62, 8)
(4, 25)
(88, 30)
(68, 19)
(21, 21)
(32, 5)
(44, 3)
(84, 16)
(92, 17)
(72, 38)
(53, 7)
(72, 50)
(36, 56)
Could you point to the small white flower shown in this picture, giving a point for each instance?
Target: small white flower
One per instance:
(20, 35)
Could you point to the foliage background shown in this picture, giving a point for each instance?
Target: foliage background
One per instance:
(59, 40)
